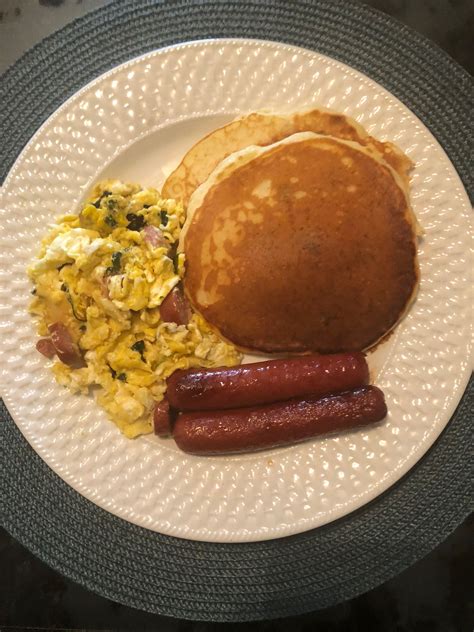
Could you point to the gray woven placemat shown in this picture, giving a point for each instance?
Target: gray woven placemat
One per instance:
(224, 582)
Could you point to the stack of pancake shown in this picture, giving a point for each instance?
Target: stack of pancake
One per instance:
(299, 234)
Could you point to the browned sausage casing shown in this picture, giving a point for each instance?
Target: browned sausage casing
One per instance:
(265, 382)
(284, 423)
(162, 418)
(175, 308)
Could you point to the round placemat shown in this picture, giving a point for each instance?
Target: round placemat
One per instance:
(234, 582)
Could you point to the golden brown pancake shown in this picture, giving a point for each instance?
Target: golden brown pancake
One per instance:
(306, 245)
(263, 129)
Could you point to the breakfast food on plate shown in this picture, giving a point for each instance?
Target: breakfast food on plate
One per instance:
(101, 286)
(264, 128)
(266, 382)
(275, 425)
(289, 233)
(175, 308)
(308, 244)
(162, 418)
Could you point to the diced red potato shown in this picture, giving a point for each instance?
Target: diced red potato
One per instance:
(154, 237)
(162, 418)
(175, 308)
(46, 347)
(66, 349)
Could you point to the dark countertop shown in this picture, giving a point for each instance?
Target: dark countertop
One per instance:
(434, 595)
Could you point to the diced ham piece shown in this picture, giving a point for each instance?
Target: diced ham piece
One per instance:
(154, 237)
(46, 347)
(104, 288)
(66, 349)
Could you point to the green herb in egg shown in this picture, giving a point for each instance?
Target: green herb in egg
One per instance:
(136, 222)
(98, 202)
(164, 218)
(139, 347)
(116, 264)
(70, 300)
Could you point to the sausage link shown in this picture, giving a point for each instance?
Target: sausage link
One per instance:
(162, 418)
(274, 425)
(265, 382)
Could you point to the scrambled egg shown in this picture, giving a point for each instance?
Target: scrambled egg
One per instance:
(103, 276)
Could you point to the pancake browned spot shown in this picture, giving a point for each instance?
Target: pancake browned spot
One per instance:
(306, 245)
(262, 129)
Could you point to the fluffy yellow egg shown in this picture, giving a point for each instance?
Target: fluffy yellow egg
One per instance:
(103, 274)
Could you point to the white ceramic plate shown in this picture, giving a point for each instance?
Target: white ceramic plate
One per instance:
(134, 123)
